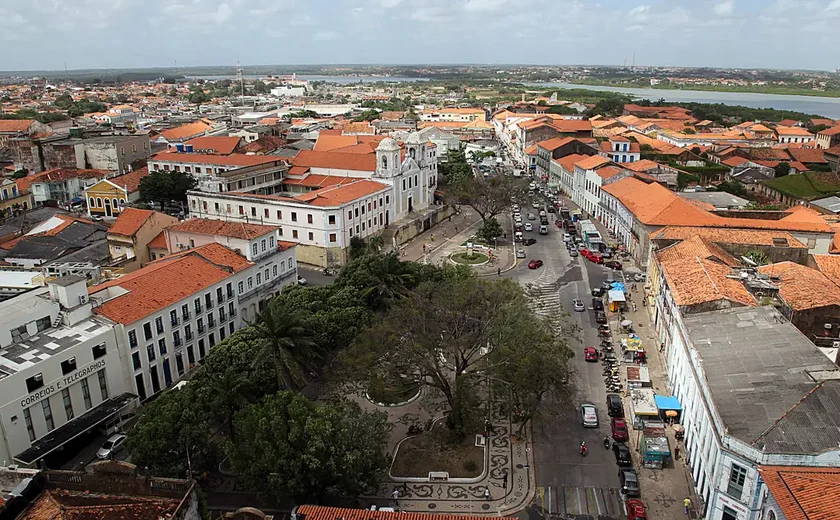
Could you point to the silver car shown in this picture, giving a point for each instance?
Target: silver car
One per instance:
(111, 447)
(578, 305)
(520, 253)
(588, 415)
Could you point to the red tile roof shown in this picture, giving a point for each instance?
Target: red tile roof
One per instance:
(221, 145)
(336, 160)
(572, 125)
(15, 125)
(266, 143)
(205, 226)
(217, 254)
(317, 181)
(804, 493)
(159, 242)
(568, 162)
(338, 195)
(180, 133)
(130, 221)
(131, 181)
(60, 504)
(62, 174)
(554, 143)
(592, 162)
(335, 142)
(236, 159)
(340, 513)
(801, 287)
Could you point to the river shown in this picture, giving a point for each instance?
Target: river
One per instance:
(824, 106)
(342, 80)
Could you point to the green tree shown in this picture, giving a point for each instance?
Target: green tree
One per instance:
(611, 107)
(562, 110)
(818, 128)
(456, 169)
(380, 279)
(260, 87)
(782, 169)
(367, 115)
(490, 230)
(286, 342)
(163, 187)
(488, 197)
(288, 446)
(63, 101)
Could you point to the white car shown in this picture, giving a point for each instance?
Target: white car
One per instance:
(567, 237)
(516, 208)
(531, 216)
(111, 447)
(528, 226)
(535, 204)
(520, 253)
(301, 280)
(578, 305)
(588, 415)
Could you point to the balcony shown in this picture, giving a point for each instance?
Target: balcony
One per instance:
(265, 287)
(188, 336)
(177, 341)
(201, 329)
(174, 321)
(211, 323)
(198, 309)
(185, 316)
(222, 318)
(233, 312)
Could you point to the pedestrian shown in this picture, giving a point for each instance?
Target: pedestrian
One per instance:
(634, 306)
(676, 453)
(686, 504)
(444, 233)
(499, 271)
(433, 237)
(424, 248)
(487, 494)
(504, 481)
(505, 235)
(456, 229)
(662, 347)
(449, 219)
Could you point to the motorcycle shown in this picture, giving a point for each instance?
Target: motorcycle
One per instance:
(606, 442)
(583, 449)
(327, 271)
(603, 334)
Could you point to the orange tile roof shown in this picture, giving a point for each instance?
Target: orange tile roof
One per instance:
(180, 133)
(729, 236)
(340, 513)
(608, 172)
(362, 127)
(697, 247)
(159, 242)
(592, 162)
(130, 221)
(334, 142)
(222, 145)
(318, 181)
(240, 230)
(531, 150)
(338, 195)
(217, 254)
(568, 162)
(804, 493)
(572, 125)
(160, 284)
(733, 161)
(554, 143)
(236, 159)
(336, 160)
(641, 166)
(131, 181)
(15, 125)
(62, 174)
(808, 155)
(793, 130)
(696, 280)
(801, 287)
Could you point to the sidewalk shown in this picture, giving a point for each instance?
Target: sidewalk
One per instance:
(436, 244)
(663, 491)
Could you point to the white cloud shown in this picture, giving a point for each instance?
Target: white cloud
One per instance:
(725, 8)
(484, 5)
(322, 36)
(389, 4)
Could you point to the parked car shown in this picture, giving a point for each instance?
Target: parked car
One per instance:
(640, 277)
(607, 253)
(629, 482)
(622, 454)
(613, 264)
(529, 241)
(520, 253)
(528, 226)
(614, 406)
(535, 264)
(619, 429)
(543, 229)
(573, 253)
(636, 509)
(301, 280)
(596, 258)
(606, 285)
(558, 224)
(588, 415)
(567, 237)
(600, 317)
(597, 304)
(578, 305)
(590, 354)
(598, 291)
(111, 447)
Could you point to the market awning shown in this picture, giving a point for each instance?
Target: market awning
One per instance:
(616, 296)
(69, 431)
(667, 402)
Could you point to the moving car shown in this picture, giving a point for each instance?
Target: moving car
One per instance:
(301, 280)
(531, 216)
(614, 406)
(535, 205)
(640, 277)
(619, 429)
(590, 354)
(535, 264)
(529, 241)
(622, 454)
(543, 229)
(613, 264)
(578, 305)
(588, 415)
(551, 209)
(629, 482)
(528, 226)
(520, 253)
(111, 447)
(636, 509)
(596, 258)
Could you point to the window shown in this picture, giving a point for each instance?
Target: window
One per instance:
(230, 327)
(162, 346)
(150, 352)
(331, 219)
(262, 245)
(265, 213)
(231, 309)
(159, 325)
(241, 287)
(30, 428)
(68, 403)
(274, 271)
(229, 290)
(253, 211)
(147, 331)
(91, 202)
(387, 199)
(211, 321)
(173, 317)
(415, 181)
(309, 218)
(188, 332)
(190, 355)
(103, 384)
(185, 312)
(294, 216)
(294, 233)
(99, 351)
(132, 338)
(403, 184)
(176, 338)
(250, 282)
(179, 363)
(208, 300)
(729, 514)
(259, 278)
(363, 209)
(350, 215)
(68, 365)
(279, 215)
(211, 340)
(311, 236)
(86, 390)
(737, 476)
(197, 304)
(135, 361)
(48, 418)
(271, 242)
(241, 210)
(254, 249)
(357, 211)
(384, 162)
(368, 206)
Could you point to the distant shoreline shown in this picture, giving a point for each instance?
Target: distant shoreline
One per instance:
(716, 88)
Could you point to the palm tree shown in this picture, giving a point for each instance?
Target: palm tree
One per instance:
(286, 342)
(229, 393)
(389, 278)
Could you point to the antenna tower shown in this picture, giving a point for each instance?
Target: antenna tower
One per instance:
(240, 79)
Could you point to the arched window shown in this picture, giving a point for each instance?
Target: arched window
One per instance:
(98, 202)
(384, 162)
(772, 515)
(411, 152)
(115, 203)
(91, 202)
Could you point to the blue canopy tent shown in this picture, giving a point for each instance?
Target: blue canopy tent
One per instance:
(666, 404)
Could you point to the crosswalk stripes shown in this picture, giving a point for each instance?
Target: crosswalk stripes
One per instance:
(582, 502)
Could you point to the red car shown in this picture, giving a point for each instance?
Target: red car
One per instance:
(596, 257)
(636, 509)
(590, 354)
(619, 429)
(613, 264)
(534, 264)
(585, 252)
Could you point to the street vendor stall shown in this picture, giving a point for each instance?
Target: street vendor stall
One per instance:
(632, 350)
(656, 451)
(670, 409)
(617, 300)
(638, 377)
(642, 406)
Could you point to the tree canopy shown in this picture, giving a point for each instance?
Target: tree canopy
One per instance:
(490, 196)
(163, 187)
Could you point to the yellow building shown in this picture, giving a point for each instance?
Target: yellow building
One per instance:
(13, 197)
(108, 197)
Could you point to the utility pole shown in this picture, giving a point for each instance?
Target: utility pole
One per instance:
(240, 79)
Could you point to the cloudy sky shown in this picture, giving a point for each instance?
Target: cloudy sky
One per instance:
(46, 34)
